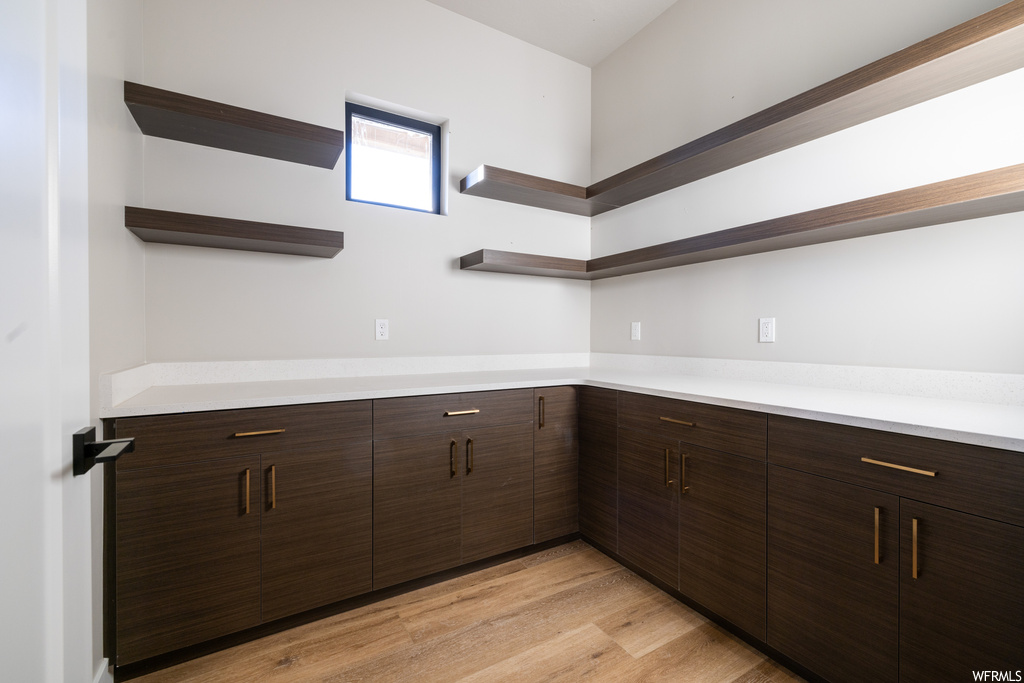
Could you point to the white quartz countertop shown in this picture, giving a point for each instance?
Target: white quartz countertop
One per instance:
(986, 423)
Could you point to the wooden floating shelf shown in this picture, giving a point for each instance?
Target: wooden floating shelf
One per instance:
(974, 196)
(169, 227)
(171, 115)
(977, 50)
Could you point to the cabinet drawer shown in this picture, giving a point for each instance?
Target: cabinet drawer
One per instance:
(190, 437)
(742, 432)
(975, 479)
(413, 415)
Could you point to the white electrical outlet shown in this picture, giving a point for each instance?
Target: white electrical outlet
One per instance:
(766, 330)
(634, 331)
(381, 329)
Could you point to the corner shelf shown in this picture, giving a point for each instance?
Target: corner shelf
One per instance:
(169, 227)
(975, 196)
(171, 115)
(977, 50)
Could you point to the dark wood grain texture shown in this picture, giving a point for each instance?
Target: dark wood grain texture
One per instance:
(520, 188)
(965, 611)
(555, 463)
(193, 437)
(830, 607)
(497, 495)
(722, 531)
(171, 115)
(975, 479)
(974, 51)
(188, 555)
(598, 468)
(648, 487)
(414, 415)
(983, 194)
(317, 527)
(170, 227)
(417, 508)
(732, 430)
(494, 261)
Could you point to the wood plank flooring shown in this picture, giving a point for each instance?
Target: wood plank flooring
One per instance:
(566, 614)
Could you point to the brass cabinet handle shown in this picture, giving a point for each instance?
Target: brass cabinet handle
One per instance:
(453, 413)
(913, 552)
(683, 488)
(877, 514)
(246, 490)
(453, 457)
(668, 482)
(469, 456)
(541, 401)
(899, 467)
(239, 435)
(273, 487)
(678, 422)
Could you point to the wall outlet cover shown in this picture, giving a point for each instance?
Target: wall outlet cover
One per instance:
(380, 328)
(634, 331)
(766, 330)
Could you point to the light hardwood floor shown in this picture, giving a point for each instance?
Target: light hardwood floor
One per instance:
(566, 614)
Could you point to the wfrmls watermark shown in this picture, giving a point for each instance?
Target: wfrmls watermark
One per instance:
(998, 675)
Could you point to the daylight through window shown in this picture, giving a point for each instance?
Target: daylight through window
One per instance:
(392, 160)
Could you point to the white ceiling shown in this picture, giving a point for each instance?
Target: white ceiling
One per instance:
(585, 31)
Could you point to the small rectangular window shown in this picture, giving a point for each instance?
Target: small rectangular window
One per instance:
(392, 160)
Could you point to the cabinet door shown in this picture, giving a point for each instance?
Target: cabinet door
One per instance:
(831, 606)
(722, 553)
(555, 449)
(187, 549)
(649, 503)
(497, 490)
(417, 507)
(965, 610)
(598, 466)
(317, 527)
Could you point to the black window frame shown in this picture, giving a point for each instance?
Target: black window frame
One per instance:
(364, 112)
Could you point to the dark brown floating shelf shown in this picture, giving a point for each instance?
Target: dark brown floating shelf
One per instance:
(171, 115)
(169, 227)
(977, 50)
(974, 196)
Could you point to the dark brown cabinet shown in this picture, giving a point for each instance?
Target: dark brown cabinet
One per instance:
(226, 520)
(962, 610)
(866, 580)
(316, 527)
(832, 601)
(459, 494)
(188, 555)
(722, 550)
(649, 503)
(555, 463)
(598, 468)
(692, 505)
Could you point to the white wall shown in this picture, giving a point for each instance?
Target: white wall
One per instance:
(509, 104)
(943, 297)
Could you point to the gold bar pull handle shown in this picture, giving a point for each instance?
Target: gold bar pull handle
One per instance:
(273, 487)
(453, 413)
(683, 488)
(541, 402)
(453, 458)
(877, 515)
(678, 422)
(913, 551)
(668, 482)
(239, 435)
(469, 456)
(904, 468)
(246, 490)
